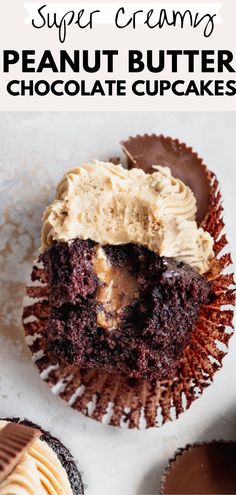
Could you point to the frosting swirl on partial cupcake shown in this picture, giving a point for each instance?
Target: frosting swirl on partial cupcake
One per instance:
(111, 205)
(38, 472)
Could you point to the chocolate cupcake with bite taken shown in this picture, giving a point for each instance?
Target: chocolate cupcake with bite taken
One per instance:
(127, 300)
(125, 260)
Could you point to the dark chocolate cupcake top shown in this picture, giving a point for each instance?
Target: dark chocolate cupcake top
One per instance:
(208, 468)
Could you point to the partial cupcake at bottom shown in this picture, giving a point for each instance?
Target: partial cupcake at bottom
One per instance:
(125, 281)
(32, 461)
(201, 469)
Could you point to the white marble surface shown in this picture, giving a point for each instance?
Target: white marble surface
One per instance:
(34, 151)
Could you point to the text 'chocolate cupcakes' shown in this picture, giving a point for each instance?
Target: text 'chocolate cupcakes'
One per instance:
(120, 400)
(206, 468)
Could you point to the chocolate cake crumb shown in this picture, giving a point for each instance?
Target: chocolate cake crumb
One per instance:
(71, 272)
(151, 332)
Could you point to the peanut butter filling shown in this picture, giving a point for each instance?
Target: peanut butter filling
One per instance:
(118, 288)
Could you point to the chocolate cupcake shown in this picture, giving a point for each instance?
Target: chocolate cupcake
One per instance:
(124, 259)
(206, 468)
(125, 299)
(34, 462)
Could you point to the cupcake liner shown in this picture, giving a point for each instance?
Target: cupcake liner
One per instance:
(135, 403)
(186, 451)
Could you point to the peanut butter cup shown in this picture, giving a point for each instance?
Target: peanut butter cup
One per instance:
(207, 468)
(15, 440)
(148, 150)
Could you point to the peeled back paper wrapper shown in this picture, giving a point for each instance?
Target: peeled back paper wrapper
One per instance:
(137, 403)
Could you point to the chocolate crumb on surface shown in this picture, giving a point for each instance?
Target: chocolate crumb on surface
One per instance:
(115, 160)
(151, 332)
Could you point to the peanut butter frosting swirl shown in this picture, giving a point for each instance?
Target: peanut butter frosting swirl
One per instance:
(39, 472)
(112, 205)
